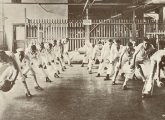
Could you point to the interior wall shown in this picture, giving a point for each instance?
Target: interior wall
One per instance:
(15, 14)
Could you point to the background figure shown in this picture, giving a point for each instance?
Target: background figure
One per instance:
(35, 60)
(124, 61)
(57, 55)
(9, 71)
(115, 53)
(26, 70)
(142, 53)
(157, 64)
(88, 53)
(105, 53)
(66, 51)
(96, 54)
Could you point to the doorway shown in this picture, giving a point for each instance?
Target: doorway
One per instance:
(18, 36)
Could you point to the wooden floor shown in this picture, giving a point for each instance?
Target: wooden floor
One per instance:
(80, 96)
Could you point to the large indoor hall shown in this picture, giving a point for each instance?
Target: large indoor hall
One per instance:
(82, 59)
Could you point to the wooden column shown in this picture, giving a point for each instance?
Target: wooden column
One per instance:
(25, 41)
(87, 29)
(133, 26)
(162, 17)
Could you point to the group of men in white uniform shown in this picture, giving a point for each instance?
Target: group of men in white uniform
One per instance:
(125, 60)
(44, 58)
(48, 59)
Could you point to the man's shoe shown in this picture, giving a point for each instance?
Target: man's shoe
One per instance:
(107, 77)
(55, 75)
(58, 72)
(82, 65)
(71, 65)
(90, 72)
(146, 95)
(113, 83)
(48, 80)
(124, 87)
(98, 75)
(38, 88)
(28, 94)
(64, 67)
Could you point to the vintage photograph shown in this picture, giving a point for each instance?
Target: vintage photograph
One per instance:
(82, 59)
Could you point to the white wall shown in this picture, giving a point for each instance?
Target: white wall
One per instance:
(15, 14)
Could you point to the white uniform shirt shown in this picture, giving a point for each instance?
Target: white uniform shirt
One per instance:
(143, 54)
(66, 47)
(114, 53)
(157, 56)
(24, 65)
(126, 55)
(97, 51)
(105, 52)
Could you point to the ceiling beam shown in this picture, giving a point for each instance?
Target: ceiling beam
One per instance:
(74, 4)
(82, 4)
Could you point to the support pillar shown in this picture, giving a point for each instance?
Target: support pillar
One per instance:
(162, 18)
(25, 41)
(133, 26)
(87, 29)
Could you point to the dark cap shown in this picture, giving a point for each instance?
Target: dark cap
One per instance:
(33, 47)
(129, 44)
(99, 42)
(146, 39)
(110, 40)
(117, 41)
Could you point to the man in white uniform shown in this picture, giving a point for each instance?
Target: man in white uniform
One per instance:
(88, 53)
(125, 59)
(115, 53)
(66, 51)
(25, 68)
(142, 54)
(157, 64)
(105, 53)
(57, 54)
(8, 71)
(95, 55)
(35, 60)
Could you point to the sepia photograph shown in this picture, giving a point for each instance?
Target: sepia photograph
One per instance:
(82, 59)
